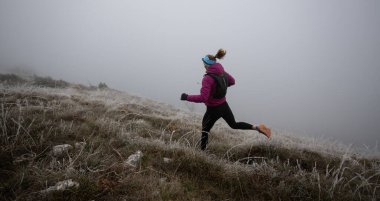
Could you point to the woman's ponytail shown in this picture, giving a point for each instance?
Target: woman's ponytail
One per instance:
(220, 54)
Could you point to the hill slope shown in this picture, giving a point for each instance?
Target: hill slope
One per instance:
(105, 127)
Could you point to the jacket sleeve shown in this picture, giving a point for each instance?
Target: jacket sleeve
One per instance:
(205, 91)
(230, 79)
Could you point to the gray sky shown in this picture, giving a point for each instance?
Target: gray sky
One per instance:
(309, 67)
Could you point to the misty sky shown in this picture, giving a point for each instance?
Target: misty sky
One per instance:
(306, 67)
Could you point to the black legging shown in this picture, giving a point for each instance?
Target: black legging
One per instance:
(213, 114)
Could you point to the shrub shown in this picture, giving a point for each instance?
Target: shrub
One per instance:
(102, 85)
(49, 82)
(11, 79)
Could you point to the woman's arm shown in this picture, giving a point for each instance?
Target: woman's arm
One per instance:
(205, 91)
(230, 79)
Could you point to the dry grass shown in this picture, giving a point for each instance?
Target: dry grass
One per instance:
(238, 165)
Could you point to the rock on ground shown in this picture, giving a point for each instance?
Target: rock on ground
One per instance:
(61, 186)
(61, 149)
(134, 159)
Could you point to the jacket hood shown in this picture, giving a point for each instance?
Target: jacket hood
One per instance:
(216, 68)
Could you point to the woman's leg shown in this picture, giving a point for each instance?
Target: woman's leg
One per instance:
(228, 116)
(209, 119)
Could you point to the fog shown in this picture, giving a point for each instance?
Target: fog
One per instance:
(306, 67)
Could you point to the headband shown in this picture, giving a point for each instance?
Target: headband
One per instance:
(208, 61)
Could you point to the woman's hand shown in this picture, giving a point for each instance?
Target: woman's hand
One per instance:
(184, 96)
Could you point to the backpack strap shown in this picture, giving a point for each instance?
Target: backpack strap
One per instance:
(220, 79)
(221, 85)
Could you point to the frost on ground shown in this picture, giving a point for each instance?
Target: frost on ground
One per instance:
(79, 140)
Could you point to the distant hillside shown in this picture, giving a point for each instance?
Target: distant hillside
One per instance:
(61, 141)
(38, 81)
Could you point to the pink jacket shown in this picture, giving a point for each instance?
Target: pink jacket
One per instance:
(209, 85)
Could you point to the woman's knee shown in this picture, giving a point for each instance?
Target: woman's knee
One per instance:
(233, 125)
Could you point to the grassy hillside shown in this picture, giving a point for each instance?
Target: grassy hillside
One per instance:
(108, 126)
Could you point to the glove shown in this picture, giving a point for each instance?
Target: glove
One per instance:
(184, 96)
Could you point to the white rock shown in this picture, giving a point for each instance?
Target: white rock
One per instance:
(24, 157)
(80, 145)
(134, 159)
(167, 160)
(61, 186)
(60, 149)
(163, 180)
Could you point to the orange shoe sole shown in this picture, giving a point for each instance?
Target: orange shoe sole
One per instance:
(264, 130)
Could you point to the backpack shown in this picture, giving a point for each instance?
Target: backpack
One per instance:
(221, 85)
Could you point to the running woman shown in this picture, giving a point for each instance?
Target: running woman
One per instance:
(213, 94)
